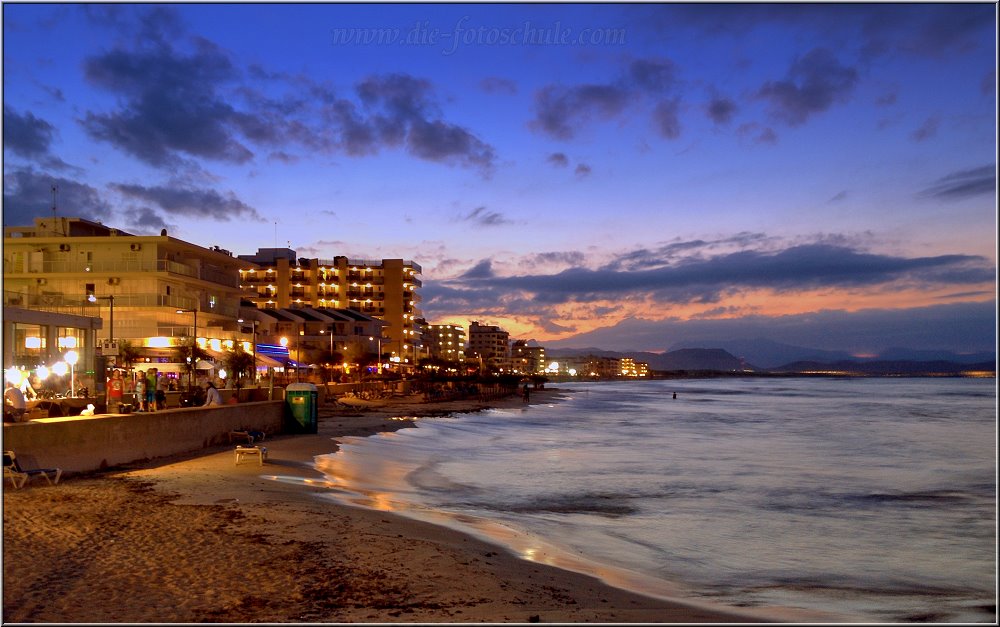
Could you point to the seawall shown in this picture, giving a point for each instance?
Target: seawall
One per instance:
(88, 443)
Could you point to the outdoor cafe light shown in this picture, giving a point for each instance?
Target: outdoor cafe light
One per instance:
(60, 368)
(42, 372)
(14, 375)
(222, 373)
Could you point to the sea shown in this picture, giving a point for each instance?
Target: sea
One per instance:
(844, 499)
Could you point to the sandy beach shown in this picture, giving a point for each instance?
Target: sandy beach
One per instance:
(197, 538)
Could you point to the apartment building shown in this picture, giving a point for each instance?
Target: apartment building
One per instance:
(445, 342)
(150, 290)
(491, 345)
(385, 289)
(633, 368)
(526, 359)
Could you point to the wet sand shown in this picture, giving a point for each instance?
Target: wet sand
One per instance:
(197, 538)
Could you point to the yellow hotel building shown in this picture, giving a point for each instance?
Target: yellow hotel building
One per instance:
(385, 289)
(139, 282)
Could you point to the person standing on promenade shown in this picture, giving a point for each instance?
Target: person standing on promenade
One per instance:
(151, 389)
(525, 394)
(140, 391)
(161, 391)
(116, 391)
(212, 396)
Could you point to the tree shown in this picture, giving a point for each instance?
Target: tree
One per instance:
(187, 352)
(239, 363)
(128, 353)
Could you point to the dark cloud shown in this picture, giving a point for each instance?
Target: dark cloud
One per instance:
(559, 110)
(757, 134)
(25, 135)
(191, 202)
(813, 84)
(721, 110)
(178, 105)
(27, 194)
(665, 119)
(927, 130)
(652, 75)
(963, 327)
(485, 217)
(988, 86)
(706, 280)
(839, 196)
(964, 184)
(558, 159)
(583, 170)
(919, 29)
(173, 106)
(494, 85)
(144, 220)
(401, 110)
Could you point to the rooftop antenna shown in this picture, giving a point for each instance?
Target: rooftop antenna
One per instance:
(55, 220)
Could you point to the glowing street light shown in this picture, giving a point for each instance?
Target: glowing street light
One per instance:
(71, 358)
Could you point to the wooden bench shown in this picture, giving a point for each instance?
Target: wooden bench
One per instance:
(243, 452)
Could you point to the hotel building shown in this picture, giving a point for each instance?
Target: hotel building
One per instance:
(445, 342)
(491, 345)
(150, 290)
(384, 289)
(526, 359)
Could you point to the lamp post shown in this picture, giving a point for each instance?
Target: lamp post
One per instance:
(378, 362)
(254, 347)
(194, 334)
(71, 358)
(111, 305)
(284, 344)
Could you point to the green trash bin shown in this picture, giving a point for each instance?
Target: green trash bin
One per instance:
(302, 401)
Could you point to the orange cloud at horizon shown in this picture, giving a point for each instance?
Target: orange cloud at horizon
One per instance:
(581, 318)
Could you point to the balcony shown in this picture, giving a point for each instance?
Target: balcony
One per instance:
(128, 267)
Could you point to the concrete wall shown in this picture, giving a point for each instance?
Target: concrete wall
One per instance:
(87, 443)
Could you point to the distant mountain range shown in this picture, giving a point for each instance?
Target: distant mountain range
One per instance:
(768, 356)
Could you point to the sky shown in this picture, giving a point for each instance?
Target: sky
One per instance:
(623, 176)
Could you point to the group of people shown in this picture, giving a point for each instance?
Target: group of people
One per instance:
(150, 389)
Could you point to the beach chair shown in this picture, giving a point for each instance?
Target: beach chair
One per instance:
(19, 476)
(260, 452)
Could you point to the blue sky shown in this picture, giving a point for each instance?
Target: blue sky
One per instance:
(572, 172)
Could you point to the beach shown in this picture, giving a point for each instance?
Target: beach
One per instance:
(197, 538)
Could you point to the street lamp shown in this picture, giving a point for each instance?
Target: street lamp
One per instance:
(194, 333)
(71, 358)
(253, 346)
(378, 362)
(111, 304)
(284, 344)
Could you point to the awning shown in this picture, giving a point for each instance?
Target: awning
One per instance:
(264, 360)
(204, 365)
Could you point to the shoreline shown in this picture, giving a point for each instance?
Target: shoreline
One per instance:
(196, 538)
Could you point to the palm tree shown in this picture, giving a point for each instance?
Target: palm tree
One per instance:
(239, 363)
(187, 352)
(128, 353)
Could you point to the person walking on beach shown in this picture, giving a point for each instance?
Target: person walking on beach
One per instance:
(525, 394)
(212, 396)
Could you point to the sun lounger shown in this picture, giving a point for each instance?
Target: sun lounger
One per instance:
(246, 434)
(19, 476)
(243, 452)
